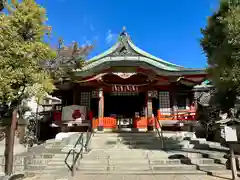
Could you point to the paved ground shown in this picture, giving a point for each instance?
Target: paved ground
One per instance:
(146, 177)
(142, 177)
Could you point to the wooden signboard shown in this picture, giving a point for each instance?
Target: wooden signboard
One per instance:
(230, 133)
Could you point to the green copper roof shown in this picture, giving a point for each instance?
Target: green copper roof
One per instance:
(126, 53)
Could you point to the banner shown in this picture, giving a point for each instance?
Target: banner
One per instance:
(74, 113)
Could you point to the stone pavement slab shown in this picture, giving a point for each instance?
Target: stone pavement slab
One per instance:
(80, 176)
(146, 177)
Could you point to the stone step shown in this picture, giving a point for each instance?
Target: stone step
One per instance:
(99, 162)
(197, 140)
(210, 143)
(139, 141)
(42, 156)
(197, 161)
(59, 162)
(166, 172)
(214, 154)
(136, 167)
(103, 164)
(173, 146)
(115, 158)
(128, 158)
(221, 161)
(224, 174)
(132, 163)
(210, 167)
(139, 167)
(55, 166)
(60, 158)
(48, 176)
(93, 168)
(207, 147)
(124, 137)
(38, 161)
(124, 134)
(165, 161)
(213, 145)
(30, 167)
(173, 167)
(176, 153)
(51, 172)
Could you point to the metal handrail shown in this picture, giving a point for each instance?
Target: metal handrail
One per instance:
(76, 154)
(160, 134)
(73, 152)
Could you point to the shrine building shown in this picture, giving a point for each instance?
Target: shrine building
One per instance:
(126, 87)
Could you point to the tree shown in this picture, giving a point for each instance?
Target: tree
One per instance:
(67, 58)
(22, 30)
(221, 44)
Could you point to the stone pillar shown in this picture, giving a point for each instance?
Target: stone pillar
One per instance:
(21, 129)
(101, 110)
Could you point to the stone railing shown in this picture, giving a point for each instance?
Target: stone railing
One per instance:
(21, 163)
(18, 164)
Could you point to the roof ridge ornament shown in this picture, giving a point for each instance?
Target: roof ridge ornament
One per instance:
(123, 33)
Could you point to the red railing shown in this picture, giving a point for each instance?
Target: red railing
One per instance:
(178, 115)
(107, 122)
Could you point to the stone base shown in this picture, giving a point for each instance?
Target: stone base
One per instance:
(157, 129)
(150, 128)
(141, 129)
(109, 130)
(94, 129)
(122, 130)
(100, 128)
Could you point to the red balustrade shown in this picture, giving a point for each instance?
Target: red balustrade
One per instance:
(140, 122)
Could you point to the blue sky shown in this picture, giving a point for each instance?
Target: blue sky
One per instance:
(168, 29)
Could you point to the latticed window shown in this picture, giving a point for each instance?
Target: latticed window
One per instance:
(85, 99)
(164, 102)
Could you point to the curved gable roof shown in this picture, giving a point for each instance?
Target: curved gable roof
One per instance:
(124, 50)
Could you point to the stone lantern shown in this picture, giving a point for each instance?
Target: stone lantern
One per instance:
(229, 133)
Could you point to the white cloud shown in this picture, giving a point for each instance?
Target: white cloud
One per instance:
(110, 36)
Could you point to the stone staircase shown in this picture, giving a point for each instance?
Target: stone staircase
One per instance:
(129, 153)
(141, 153)
(43, 159)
